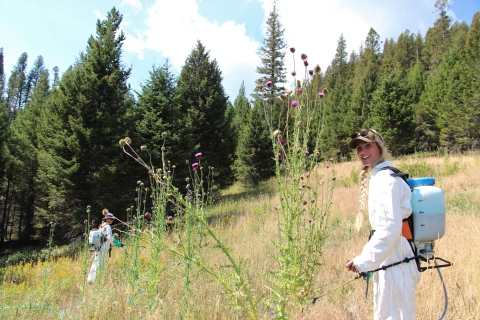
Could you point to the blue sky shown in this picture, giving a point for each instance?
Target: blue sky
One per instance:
(232, 30)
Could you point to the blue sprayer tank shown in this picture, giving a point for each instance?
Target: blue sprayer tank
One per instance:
(428, 209)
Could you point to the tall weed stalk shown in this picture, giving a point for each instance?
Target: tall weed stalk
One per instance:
(305, 197)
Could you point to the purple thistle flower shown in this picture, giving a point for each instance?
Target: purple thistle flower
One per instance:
(268, 83)
(321, 95)
(93, 221)
(279, 155)
(292, 49)
(303, 56)
(194, 165)
(294, 103)
(282, 141)
(198, 155)
(327, 166)
(169, 217)
(148, 214)
(303, 185)
(169, 171)
(305, 62)
(309, 219)
(307, 153)
(199, 195)
(310, 72)
(304, 202)
(307, 175)
(293, 73)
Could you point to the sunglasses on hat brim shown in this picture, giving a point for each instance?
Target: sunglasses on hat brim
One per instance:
(367, 133)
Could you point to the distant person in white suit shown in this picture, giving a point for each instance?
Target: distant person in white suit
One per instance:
(101, 255)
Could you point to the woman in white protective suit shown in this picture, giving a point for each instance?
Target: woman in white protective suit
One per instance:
(388, 204)
(103, 253)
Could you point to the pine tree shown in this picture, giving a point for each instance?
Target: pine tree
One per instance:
(33, 78)
(254, 152)
(2, 76)
(392, 113)
(203, 107)
(365, 82)
(3, 137)
(404, 53)
(241, 107)
(239, 116)
(157, 113)
(266, 99)
(388, 60)
(335, 132)
(22, 151)
(56, 77)
(16, 87)
(419, 44)
(80, 161)
(415, 84)
(437, 39)
(272, 57)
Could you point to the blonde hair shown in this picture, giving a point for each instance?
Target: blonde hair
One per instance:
(105, 212)
(364, 179)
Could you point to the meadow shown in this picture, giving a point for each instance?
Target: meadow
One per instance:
(140, 282)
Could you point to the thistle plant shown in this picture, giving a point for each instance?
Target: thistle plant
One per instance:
(184, 214)
(86, 253)
(304, 196)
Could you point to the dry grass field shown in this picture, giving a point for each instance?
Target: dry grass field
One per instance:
(57, 290)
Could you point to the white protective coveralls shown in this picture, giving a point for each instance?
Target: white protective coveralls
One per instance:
(393, 288)
(101, 255)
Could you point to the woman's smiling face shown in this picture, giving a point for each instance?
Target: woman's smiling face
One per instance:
(369, 153)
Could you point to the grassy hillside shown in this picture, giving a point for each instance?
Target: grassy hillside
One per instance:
(246, 222)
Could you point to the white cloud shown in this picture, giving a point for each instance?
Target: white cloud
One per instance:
(311, 26)
(173, 28)
(98, 14)
(135, 4)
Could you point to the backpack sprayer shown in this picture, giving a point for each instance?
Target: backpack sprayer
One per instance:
(95, 239)
(427, 221)
(428, 213)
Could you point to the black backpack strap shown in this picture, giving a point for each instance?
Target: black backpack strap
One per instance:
(397, 173)
(409, 219)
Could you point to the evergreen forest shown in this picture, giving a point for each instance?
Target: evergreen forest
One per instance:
(60, 133)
